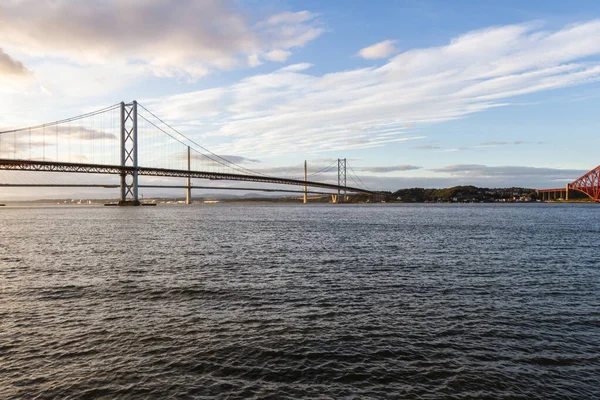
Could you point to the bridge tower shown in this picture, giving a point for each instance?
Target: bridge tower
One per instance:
(305, 187)
(129, 155)
(188, 181)
(342, 179)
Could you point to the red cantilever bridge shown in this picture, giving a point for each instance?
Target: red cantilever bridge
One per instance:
(589, 184)
(128, 140)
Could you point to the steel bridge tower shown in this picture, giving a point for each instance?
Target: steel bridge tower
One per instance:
(342, 179)
(129, 155)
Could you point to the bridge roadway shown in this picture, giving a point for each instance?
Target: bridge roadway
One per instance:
(51, 166)
(116, 186)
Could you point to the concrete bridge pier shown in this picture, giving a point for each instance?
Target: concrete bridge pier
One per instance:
(188, 193)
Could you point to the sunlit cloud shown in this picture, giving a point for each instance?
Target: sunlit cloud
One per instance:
(393, 168)
(292, 110)
(278, 55)
(379, 50)
(188, 40)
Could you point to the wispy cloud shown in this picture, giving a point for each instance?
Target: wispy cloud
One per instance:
(218, 158)
(379, 50)
(293, 110)
(426, 147)
(393, 168)
(517, 172)
(494, 143)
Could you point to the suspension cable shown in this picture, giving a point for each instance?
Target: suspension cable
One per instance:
(202, 147)
(357, 177)
(323, 169)
(64, 120)
(230, 165)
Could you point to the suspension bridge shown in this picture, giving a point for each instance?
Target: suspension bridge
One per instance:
(130, 141)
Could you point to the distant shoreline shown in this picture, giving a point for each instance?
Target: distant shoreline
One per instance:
(456, 194)
(43, 203)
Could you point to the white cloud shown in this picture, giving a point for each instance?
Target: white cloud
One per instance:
(278, 55)
(290, 18)
(291, 110)
(290, 29)
(254, 60)
(379, 50)
(296, 67)
(188, 40)
(484, 171)
(81, 81)
(393, 168)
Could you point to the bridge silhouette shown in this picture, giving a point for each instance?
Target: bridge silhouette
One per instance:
(588, 184)
(128, 140)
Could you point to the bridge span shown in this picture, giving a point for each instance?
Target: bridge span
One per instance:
(588, 184)
(140, 153)
(50, 166)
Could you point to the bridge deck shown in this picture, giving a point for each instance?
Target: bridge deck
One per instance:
(551, 190)
(115, 186)
(32, 165)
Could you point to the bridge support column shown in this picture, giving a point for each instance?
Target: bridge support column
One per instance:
(305, 186)
(188, 189)
(341, 179)
(129, 155)
(567, 192)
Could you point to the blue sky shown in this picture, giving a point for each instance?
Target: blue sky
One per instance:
(414, 93)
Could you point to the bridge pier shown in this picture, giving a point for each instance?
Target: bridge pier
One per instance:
(129, 155)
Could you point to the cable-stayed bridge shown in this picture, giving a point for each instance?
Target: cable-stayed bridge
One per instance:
(128, 140)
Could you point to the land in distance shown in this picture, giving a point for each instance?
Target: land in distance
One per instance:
(456, 194)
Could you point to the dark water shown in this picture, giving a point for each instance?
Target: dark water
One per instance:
(474, 301)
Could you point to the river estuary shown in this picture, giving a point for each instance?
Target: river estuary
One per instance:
(318, 301)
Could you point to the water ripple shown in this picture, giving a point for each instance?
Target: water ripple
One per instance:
(300, 302)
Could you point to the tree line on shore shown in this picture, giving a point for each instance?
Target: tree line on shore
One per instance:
(465, 194)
